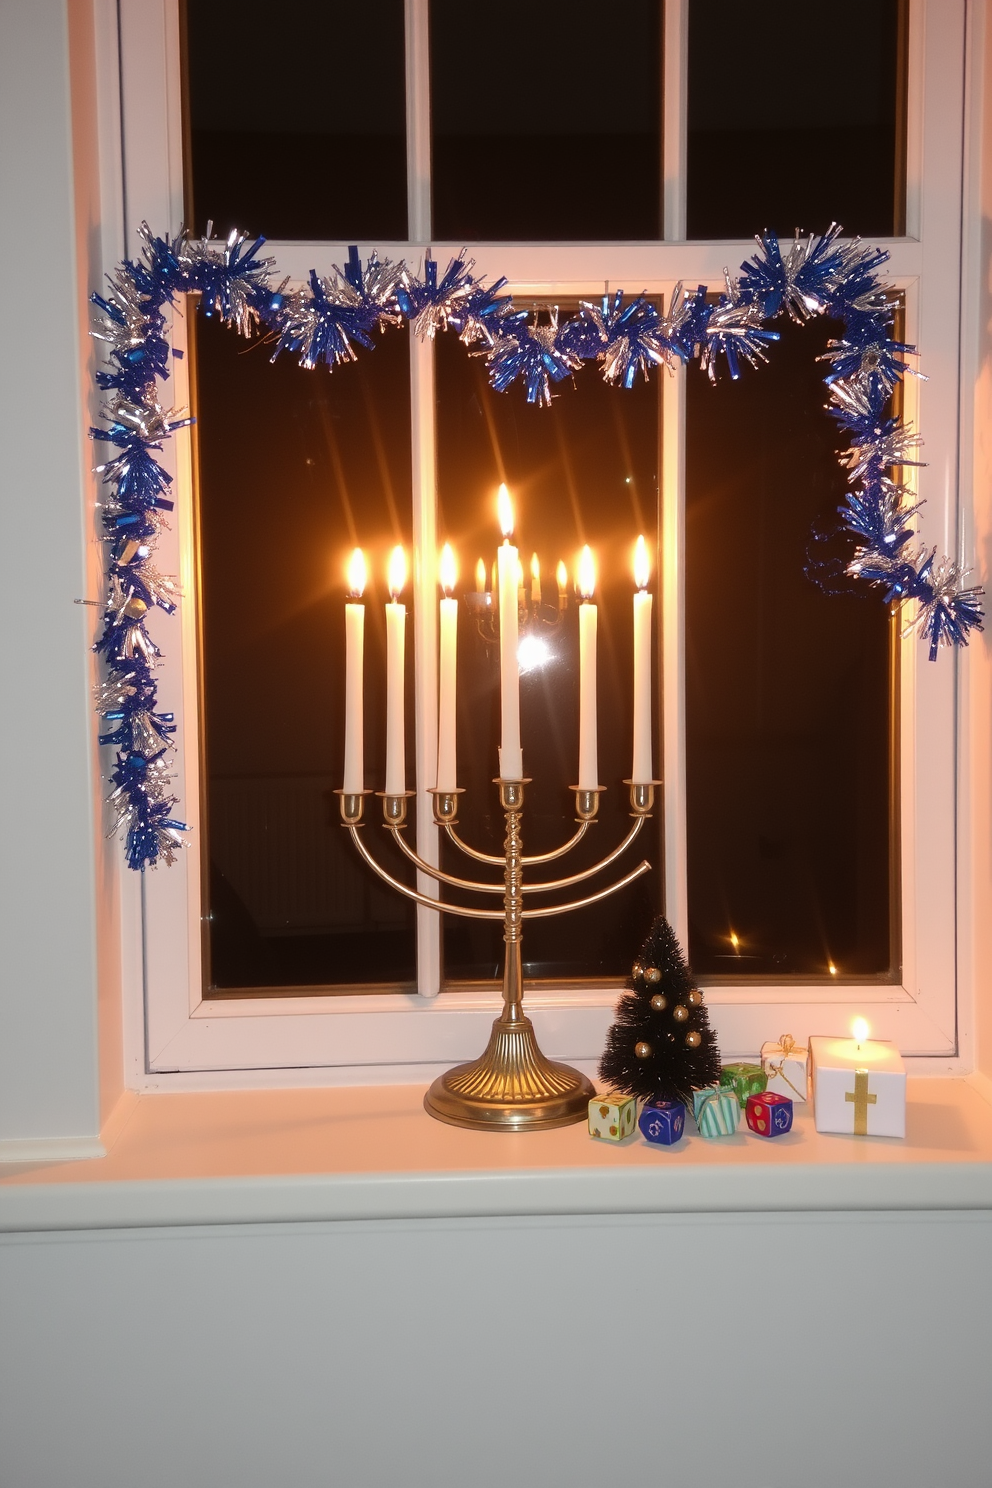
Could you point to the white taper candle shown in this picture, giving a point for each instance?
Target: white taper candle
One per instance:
(354, 700)
(447, 778)
(588, 622)
(511, 760)
(395, 657)
(641, 772)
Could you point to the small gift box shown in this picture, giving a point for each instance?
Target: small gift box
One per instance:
(717, 1111)
(743, 1080)
(768, 1114)
(785, 1065)
(857, 1088)
(612, 1116)
(663, 1122)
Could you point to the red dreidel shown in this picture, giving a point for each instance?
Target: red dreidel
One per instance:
(768, 1114)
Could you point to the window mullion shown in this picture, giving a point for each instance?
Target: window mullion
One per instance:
(675, 117)
(418, 122)
(673, 649)
(424, 453)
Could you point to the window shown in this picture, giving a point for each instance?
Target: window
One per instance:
(879, 742)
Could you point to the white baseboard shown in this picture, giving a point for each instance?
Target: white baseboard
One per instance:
(49, 1149)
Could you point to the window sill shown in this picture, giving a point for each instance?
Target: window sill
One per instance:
(241, 1157)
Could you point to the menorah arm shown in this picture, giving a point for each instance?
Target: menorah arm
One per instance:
(425, 899)
(528, 862)
(553, 909)
(448, 878)
(566, 883)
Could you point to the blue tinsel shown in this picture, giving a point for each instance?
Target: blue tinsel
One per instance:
(324, 321)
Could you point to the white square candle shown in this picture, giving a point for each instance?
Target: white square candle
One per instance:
(857, 1088)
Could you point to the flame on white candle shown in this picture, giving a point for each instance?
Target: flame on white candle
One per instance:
(860, 1030)
(356, 574)
(480, 577)
(448, 570)
(397, 572)
(642, 564)
(561, 574)
(504, 508)
(586, 578)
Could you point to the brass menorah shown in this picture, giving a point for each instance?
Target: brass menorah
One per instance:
(512, 1086)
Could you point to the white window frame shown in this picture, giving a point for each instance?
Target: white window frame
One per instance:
(175, 1036)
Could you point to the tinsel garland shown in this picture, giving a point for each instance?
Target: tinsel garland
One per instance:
(323, 322)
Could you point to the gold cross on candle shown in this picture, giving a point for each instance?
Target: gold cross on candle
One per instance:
(862, 1100)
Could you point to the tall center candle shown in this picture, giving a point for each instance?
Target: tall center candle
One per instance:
(588, 622)
(447, 778)
(395, 656)
(511, 760)
(641, 772)
(354, 701)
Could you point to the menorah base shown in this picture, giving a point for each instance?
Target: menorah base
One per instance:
(513, 1087)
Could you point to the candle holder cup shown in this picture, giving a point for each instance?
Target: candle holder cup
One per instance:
(512, 1086)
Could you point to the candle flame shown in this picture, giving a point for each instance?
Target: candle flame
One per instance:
(832, 968)
(356, 574)
(535, 567)
(561, 574)
(734, 941)
(447, 569)
(642, 564)
(397, 572)
(480, 577)
(860, 1030)
(586, 579)
(504, 508)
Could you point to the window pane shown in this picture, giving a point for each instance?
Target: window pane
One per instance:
(546, 119)
(295, 468)
(796, 117)
(296, 119)
(585, 470)
(789, 691)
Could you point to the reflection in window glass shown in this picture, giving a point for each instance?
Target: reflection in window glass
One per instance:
(796, 119)
(295, 468)
(312, 146)
(546, 119)
(789, 692)
(585, 470)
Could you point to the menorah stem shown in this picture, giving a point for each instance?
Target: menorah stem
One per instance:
(513, 1086)
(511, 799)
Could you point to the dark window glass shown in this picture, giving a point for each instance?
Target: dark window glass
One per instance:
(585, 470)
(796, 117)
(546, 119)
(789, 691)
(296, 119)
(295, 468)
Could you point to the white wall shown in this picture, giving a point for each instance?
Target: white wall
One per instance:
(765, 1352)
(47, 921)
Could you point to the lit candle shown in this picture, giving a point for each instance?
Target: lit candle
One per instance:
(561, 574)
(354, 705)
(535, 580)
(588, 618)
(641, 772)
(446, 773)
(511, 762)
(858, 1085)
(395, 652)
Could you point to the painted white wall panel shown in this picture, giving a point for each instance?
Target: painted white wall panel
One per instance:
(481, 1353)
